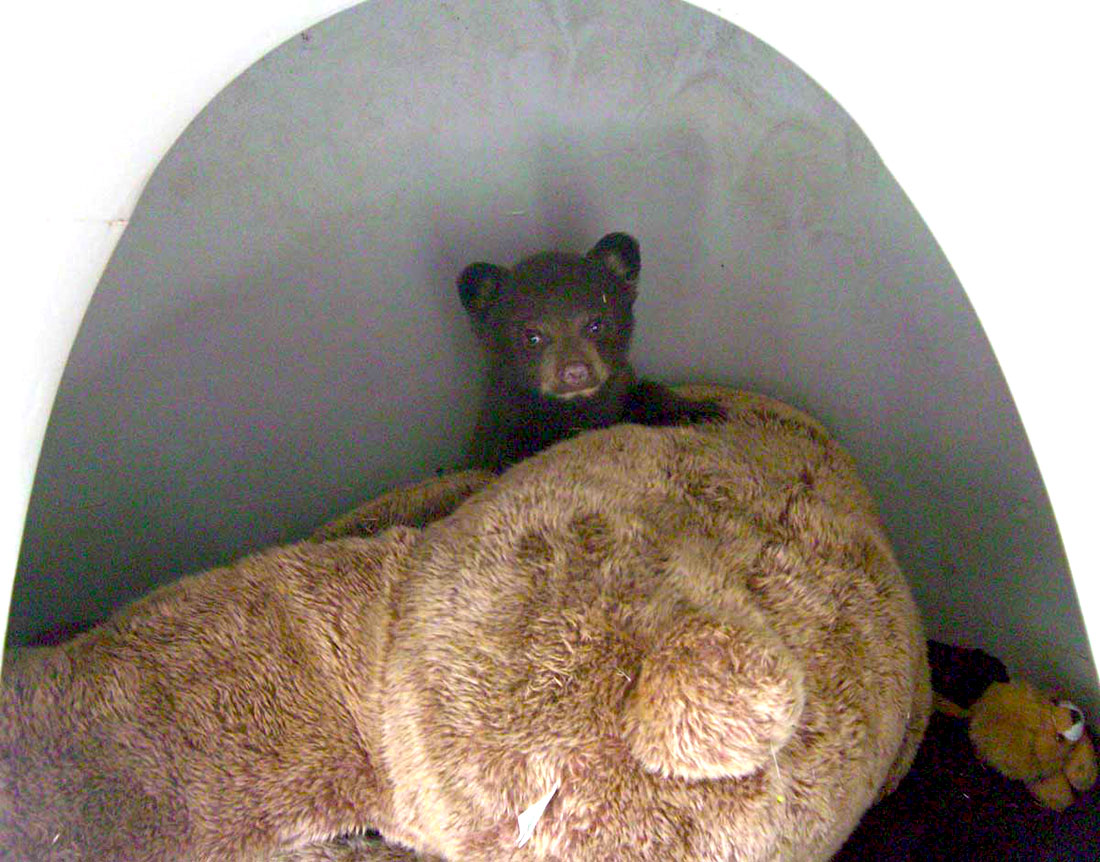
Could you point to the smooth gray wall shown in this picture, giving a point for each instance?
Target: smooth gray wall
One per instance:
(277, 336)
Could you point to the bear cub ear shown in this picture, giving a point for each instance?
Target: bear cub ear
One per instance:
(619, 253)
(479, 286)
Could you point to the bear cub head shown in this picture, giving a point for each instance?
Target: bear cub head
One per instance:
(557, 325)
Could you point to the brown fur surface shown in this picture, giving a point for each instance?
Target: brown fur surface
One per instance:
(699, 636)
(414, 505)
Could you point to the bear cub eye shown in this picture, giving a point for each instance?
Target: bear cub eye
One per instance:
(532, 338)
(595, 326)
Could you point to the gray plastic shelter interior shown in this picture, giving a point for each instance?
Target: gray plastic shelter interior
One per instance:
(277, 336)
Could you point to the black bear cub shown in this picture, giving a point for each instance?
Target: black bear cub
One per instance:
(557, 330)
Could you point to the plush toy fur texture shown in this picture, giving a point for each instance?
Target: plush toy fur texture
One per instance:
(416, 505)
(694, 642)
(1029, 736)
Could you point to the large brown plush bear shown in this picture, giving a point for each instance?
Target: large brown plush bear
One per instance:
(640, 644)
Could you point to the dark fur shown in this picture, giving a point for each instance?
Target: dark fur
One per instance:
(557, 329)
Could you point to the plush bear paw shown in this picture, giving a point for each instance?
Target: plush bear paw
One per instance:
(713, 701)
(1081, 768)
(1053, 791)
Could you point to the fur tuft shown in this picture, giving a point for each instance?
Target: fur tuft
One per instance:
(713, 701)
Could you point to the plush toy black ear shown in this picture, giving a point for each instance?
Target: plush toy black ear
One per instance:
(619, 253)
(479, 286)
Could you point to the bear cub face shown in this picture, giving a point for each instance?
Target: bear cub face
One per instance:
(557, 325)
(557, 330)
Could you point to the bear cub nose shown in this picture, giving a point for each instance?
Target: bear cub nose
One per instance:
(576, 375)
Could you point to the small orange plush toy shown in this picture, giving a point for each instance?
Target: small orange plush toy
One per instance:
(1027, 736)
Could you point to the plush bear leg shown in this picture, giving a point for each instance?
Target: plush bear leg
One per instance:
(409, 506)
(1053, 792)
(224, 716)
(1081, 766)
